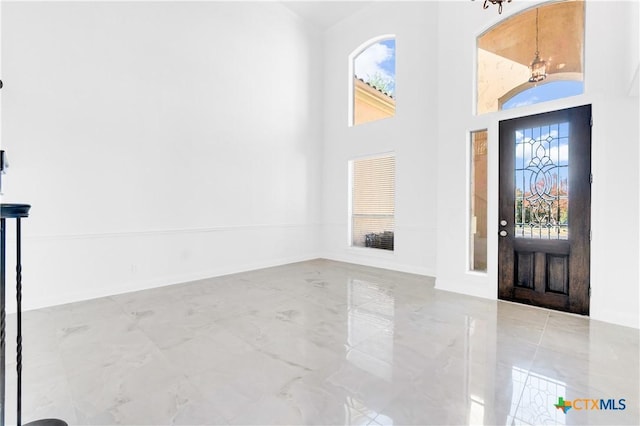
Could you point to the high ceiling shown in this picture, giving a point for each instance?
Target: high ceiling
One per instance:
(560, 39)
(560, 35)
(324, 14)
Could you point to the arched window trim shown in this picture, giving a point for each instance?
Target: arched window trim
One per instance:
(499, 20)
(354, 54)
(552, 78)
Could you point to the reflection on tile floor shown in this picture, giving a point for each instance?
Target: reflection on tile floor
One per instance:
(320, 342)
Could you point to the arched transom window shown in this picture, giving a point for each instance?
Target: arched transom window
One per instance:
(534, 56)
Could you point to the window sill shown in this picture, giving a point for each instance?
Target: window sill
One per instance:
(369, 251)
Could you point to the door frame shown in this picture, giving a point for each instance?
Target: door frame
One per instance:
(579, 266)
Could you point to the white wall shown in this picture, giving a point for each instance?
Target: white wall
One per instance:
(410, 134)
(156, 146)
(159, 142)
(615, 280)
(633, 49)
(615, 212)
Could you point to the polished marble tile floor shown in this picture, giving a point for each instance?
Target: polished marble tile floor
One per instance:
(320, 342)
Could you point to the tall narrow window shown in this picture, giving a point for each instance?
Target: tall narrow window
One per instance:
(478, 202)
(374, 81)
(373, 202)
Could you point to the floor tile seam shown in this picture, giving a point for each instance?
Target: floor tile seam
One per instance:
(374, 302)
(115, 403)
(78, 411)
(130, 315)
(544, 330)
(302, 297)
(201, 395)
(309, 387)
(594, 390)
(227, 324)
(225, 320)
(524, 385)
(371, 420)
(160, 352)
(526, 380)
(383, 410)
(104, 380)
(571, 370)
(150, 341)
(305, 369)
(564, 351)
(298, 298)
(25, 392)
(373, 336)
(255, 348)
(256, 400)
(69, 371)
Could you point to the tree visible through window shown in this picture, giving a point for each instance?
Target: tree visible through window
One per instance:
(374, 82)
(373, 202)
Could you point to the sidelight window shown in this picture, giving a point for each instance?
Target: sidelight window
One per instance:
(478, 202)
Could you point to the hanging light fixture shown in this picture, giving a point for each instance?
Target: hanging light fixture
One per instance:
(498, 2)
(538, 66)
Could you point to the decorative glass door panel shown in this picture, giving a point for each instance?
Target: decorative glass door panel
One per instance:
(542, 182)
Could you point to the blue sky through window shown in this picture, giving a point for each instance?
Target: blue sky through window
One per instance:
(545, 92)
(378, 62)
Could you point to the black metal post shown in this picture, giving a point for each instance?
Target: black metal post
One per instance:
(19, 319)
(15, 211)
(3, 315)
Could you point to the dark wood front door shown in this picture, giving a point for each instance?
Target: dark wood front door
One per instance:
(545, 210)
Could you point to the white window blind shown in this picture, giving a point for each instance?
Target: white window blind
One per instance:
(373, 198)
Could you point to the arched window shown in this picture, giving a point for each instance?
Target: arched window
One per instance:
(529, 94)
(532, 57)
(372, 69)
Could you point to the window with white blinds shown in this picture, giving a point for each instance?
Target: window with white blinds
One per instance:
(373, 202)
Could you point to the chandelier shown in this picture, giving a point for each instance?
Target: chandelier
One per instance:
(498, 2)
(538, 66)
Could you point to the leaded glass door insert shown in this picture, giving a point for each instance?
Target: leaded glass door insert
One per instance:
(545, 204)
(542, 182)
